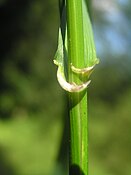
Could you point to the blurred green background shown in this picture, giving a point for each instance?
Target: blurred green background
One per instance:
(33, 108)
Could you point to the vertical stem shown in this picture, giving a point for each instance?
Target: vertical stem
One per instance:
(77, 101)
(75, 32)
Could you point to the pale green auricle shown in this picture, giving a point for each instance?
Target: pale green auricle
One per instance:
(59, 61)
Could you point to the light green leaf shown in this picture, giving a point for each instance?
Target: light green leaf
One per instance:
(61, 56)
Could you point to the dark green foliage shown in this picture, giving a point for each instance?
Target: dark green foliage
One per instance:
(26, 51)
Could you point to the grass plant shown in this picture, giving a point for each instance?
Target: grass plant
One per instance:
(76, 59)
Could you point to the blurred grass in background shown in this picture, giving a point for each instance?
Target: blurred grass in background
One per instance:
(33, 106)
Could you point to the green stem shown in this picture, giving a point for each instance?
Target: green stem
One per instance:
(77, 101)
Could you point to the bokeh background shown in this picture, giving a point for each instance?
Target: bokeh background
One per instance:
(33, 108)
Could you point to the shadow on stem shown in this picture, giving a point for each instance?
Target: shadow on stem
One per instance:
(75, 170)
